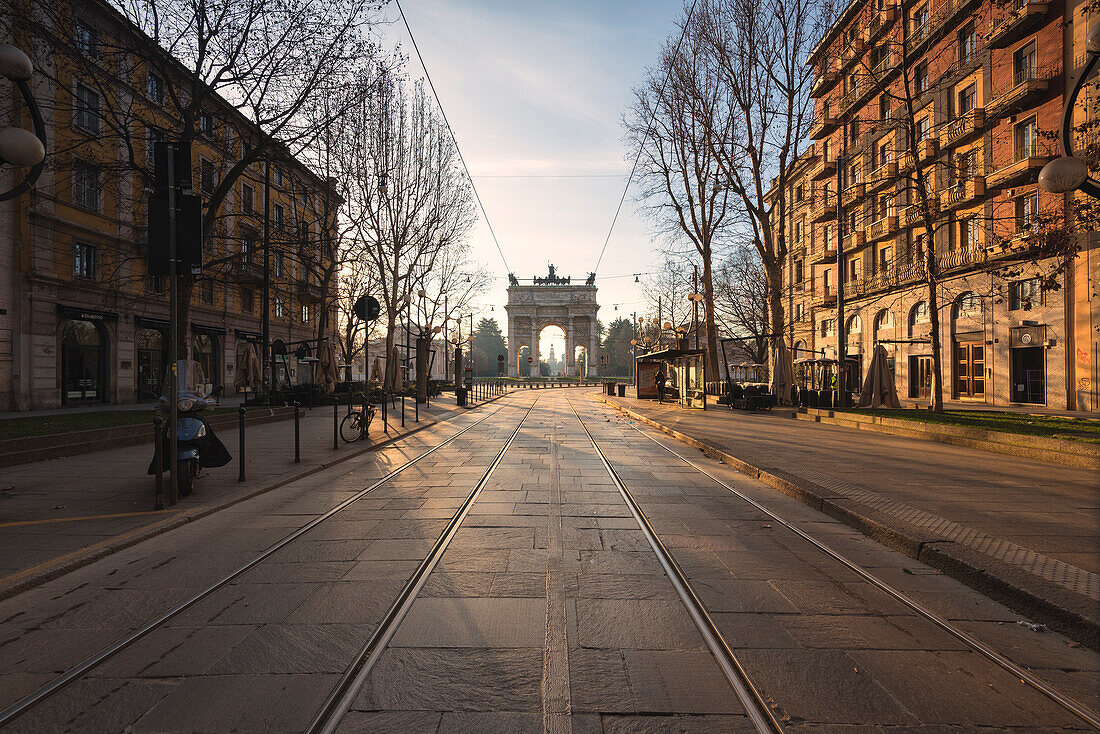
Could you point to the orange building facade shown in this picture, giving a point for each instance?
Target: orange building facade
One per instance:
(979, 88)
(80, 319)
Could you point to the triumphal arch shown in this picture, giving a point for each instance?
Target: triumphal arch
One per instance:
(552, 301)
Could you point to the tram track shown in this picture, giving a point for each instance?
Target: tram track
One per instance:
(1067, 702)
(756, 708)
(78, 671)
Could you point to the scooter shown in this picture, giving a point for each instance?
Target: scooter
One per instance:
(196, 446)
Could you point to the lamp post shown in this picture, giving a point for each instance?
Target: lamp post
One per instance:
(20, 147)
(1070, 173)
(695, 298)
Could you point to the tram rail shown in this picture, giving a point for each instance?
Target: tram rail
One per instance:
(93, 661)
(1065, 701)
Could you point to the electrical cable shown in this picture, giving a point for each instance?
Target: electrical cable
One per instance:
(648, 130)
(454, 139)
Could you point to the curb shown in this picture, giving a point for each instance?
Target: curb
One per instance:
(55, 568)
(1039, 600)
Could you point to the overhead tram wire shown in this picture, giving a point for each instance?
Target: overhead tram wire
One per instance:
(648, 130)
(439, 103)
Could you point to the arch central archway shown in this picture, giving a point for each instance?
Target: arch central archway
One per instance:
(552, 301)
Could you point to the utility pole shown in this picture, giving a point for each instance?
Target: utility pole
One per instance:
(841, 337)
(265, 318)
(695, 304)
(173, 335)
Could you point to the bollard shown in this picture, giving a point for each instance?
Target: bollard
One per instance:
(240, 442)
(297, 441)
(335, 423)
(385, 414)
(158, 462)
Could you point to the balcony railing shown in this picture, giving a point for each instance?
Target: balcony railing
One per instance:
(825, 255)
(854, 193)
(1015, 25)
(882, 228)
(914, 214)
(855, 240)
(960, 258)
(1026, 82)
(970, 123)
(824, 123)
(309, 291)
(964, 191)
(1025, 167)
(249, 271)
(824, 168)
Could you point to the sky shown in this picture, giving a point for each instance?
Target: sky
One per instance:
(535, 92)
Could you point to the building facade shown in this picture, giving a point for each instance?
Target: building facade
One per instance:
(961, 99)
(81, 321)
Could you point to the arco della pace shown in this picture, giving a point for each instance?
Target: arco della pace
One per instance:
(552, 301)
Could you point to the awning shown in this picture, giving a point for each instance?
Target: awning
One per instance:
(152, 323)
(250, 336)
(85, 314)
(202, 329)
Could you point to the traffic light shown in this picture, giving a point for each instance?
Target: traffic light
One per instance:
(188, 212)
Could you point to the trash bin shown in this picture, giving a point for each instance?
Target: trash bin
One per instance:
(622, 389)
(460, 396)
(610, 388)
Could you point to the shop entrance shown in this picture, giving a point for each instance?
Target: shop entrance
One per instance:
(969, 370)
(1028, 375)
(151, 360)
(83, 361)
(920, 377)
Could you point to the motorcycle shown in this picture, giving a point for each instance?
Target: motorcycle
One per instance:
(196, 446)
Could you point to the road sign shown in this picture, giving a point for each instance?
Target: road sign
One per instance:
(367, 308)
(500, 357)
(530, 360)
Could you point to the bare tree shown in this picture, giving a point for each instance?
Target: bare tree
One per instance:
(667, 290)
(675, 128)
(742, 301)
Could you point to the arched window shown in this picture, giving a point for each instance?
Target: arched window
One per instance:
(204, 350)
(968, 305)
(917, 315)
(800, 350)
(854, 326)
(884, 319)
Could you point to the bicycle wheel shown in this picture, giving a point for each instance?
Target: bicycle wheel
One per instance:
(370, 418)
(350, 428)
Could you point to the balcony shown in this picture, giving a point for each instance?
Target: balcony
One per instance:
(246, 271)
(825, 299)
(1026, 84)
(882, 229)
(1015, 26)
(927, 149)
(914, 214)
(887, 63)
(1023, 170)
(883, 176)
(960, 258)
(310, 292)
(963, 192)
(824, 168)
(881, 20)
(825, 256)
(855, 240)
(917, 36)
(824, 210)
(958, 130)
(826, 76)
(824, 124)
(854, 193)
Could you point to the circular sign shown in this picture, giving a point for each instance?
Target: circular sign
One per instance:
(367, 308)
(1025, 338)
(530, 360)
(500, 357)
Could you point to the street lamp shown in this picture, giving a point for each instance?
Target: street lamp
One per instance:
(1070, 173)
(20, 147)
(695, 298)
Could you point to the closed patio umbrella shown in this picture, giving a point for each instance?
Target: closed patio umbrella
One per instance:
(326, 367)
(398, 381)
(879, 390)
(376, 370)
(782, 372)
(249, 370)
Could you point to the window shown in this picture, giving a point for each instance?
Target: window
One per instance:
(305, 314)
(826, 279)
(1026, 212)
(85, 185)
(86, 39)
(968, 233)
(853, 132)
(967, 100)
(853, 269)
(885, 257)
(920, 78)
(206, 292)
(156, 284)
(799, 193)
(1027, 139)
(84, 260)
(966, 165)
(1024, 294)
(277, 266)
(883, 108)
(855, 325)
(884, 320)
(280, 311)
(853, 174)
(826, 236)
(969, 305)
(919, 20)
(799, 311)
(798, 232)
(884, 153)
(917, 315)
(206, 175)
(828, 327)
(154, 88)
(86, 109)
(922, 127)
(248, 198)
(797, 271)
(155, 136)
(248, 247)
(248, 298)
(278, 208)
(277, 175)
(1025, 64)
(968, 42)
(206, 125)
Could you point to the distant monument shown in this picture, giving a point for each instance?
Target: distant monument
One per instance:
(551, 301)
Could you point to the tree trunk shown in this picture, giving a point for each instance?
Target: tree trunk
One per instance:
(391, 333)
(932, 279)
(708, 315)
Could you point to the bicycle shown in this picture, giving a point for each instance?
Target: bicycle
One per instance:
(353, 427)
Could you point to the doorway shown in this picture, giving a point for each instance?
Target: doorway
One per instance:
(151, 360)
(969, 370)
(1028, 375)
(83, 361)
(920, 377)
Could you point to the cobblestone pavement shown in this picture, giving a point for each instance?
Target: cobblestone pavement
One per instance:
(548, 611)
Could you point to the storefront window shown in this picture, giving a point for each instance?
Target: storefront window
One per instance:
(151, 362)
(83, 360)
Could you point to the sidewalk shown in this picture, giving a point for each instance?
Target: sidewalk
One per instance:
(60, 514)
(1023, 532)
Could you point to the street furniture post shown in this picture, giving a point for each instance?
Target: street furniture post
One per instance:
(240, 442)
(158, 462)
